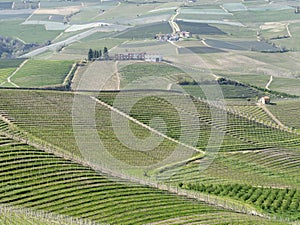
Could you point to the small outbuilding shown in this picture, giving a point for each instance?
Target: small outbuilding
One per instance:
(265, 100)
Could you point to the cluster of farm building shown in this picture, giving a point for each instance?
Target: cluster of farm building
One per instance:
(173, 37)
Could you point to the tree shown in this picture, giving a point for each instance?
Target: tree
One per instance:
(100, 54)
(96, 54)
(90, 54)
(105, 52)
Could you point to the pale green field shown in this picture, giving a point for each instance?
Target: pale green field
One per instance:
(5, 72)
(27, 33)
(37, 73)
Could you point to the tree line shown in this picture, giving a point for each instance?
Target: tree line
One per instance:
(98, 54)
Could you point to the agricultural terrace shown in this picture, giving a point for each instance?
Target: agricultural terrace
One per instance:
(42, 181)
(38, 73)
(52, 111)
(17, 215)
(287, 111)
(242, 131)
(279, 201)
(229, 91)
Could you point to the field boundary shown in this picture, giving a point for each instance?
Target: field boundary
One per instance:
(19, 67)
(273, 116)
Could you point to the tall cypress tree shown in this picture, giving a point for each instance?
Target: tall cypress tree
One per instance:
(105, 52)
(90, 54)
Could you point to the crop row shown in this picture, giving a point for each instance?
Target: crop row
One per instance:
(265, 167)
(34, 179)
(170, 107)
(281, 201)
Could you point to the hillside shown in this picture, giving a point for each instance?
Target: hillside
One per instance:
(52, 123)
(164, 123)
(42, 181)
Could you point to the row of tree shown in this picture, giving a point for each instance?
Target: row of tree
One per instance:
(96, 55)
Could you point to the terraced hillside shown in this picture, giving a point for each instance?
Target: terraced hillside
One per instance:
(249, 155)
(38, 180)
(241, 133)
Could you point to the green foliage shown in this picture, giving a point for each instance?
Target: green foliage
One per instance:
(94, 54)
(90, 54)
(271, 200)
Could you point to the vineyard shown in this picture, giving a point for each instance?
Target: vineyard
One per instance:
(178, 136)
(41, 181)
(272, 200)
(49, 123)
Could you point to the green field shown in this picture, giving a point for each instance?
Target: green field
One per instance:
(38, 73)
(147, 31)
(137, 71)
(27, 33)
(10, 63)
(4, 73)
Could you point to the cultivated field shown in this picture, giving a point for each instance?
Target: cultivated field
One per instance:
(182, 141)
(37, 73)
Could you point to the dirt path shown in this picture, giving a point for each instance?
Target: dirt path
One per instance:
(9, 78)
(269, 83)
(173, 24)
(271, 115)
(117, 74)
(69, 74)
(66, 42)
(288, 30)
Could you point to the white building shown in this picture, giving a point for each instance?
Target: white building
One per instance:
(153, 58)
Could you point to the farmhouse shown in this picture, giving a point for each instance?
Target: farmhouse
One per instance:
(130, 56)
(264, 100)
(139, 56)
(297, 10)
